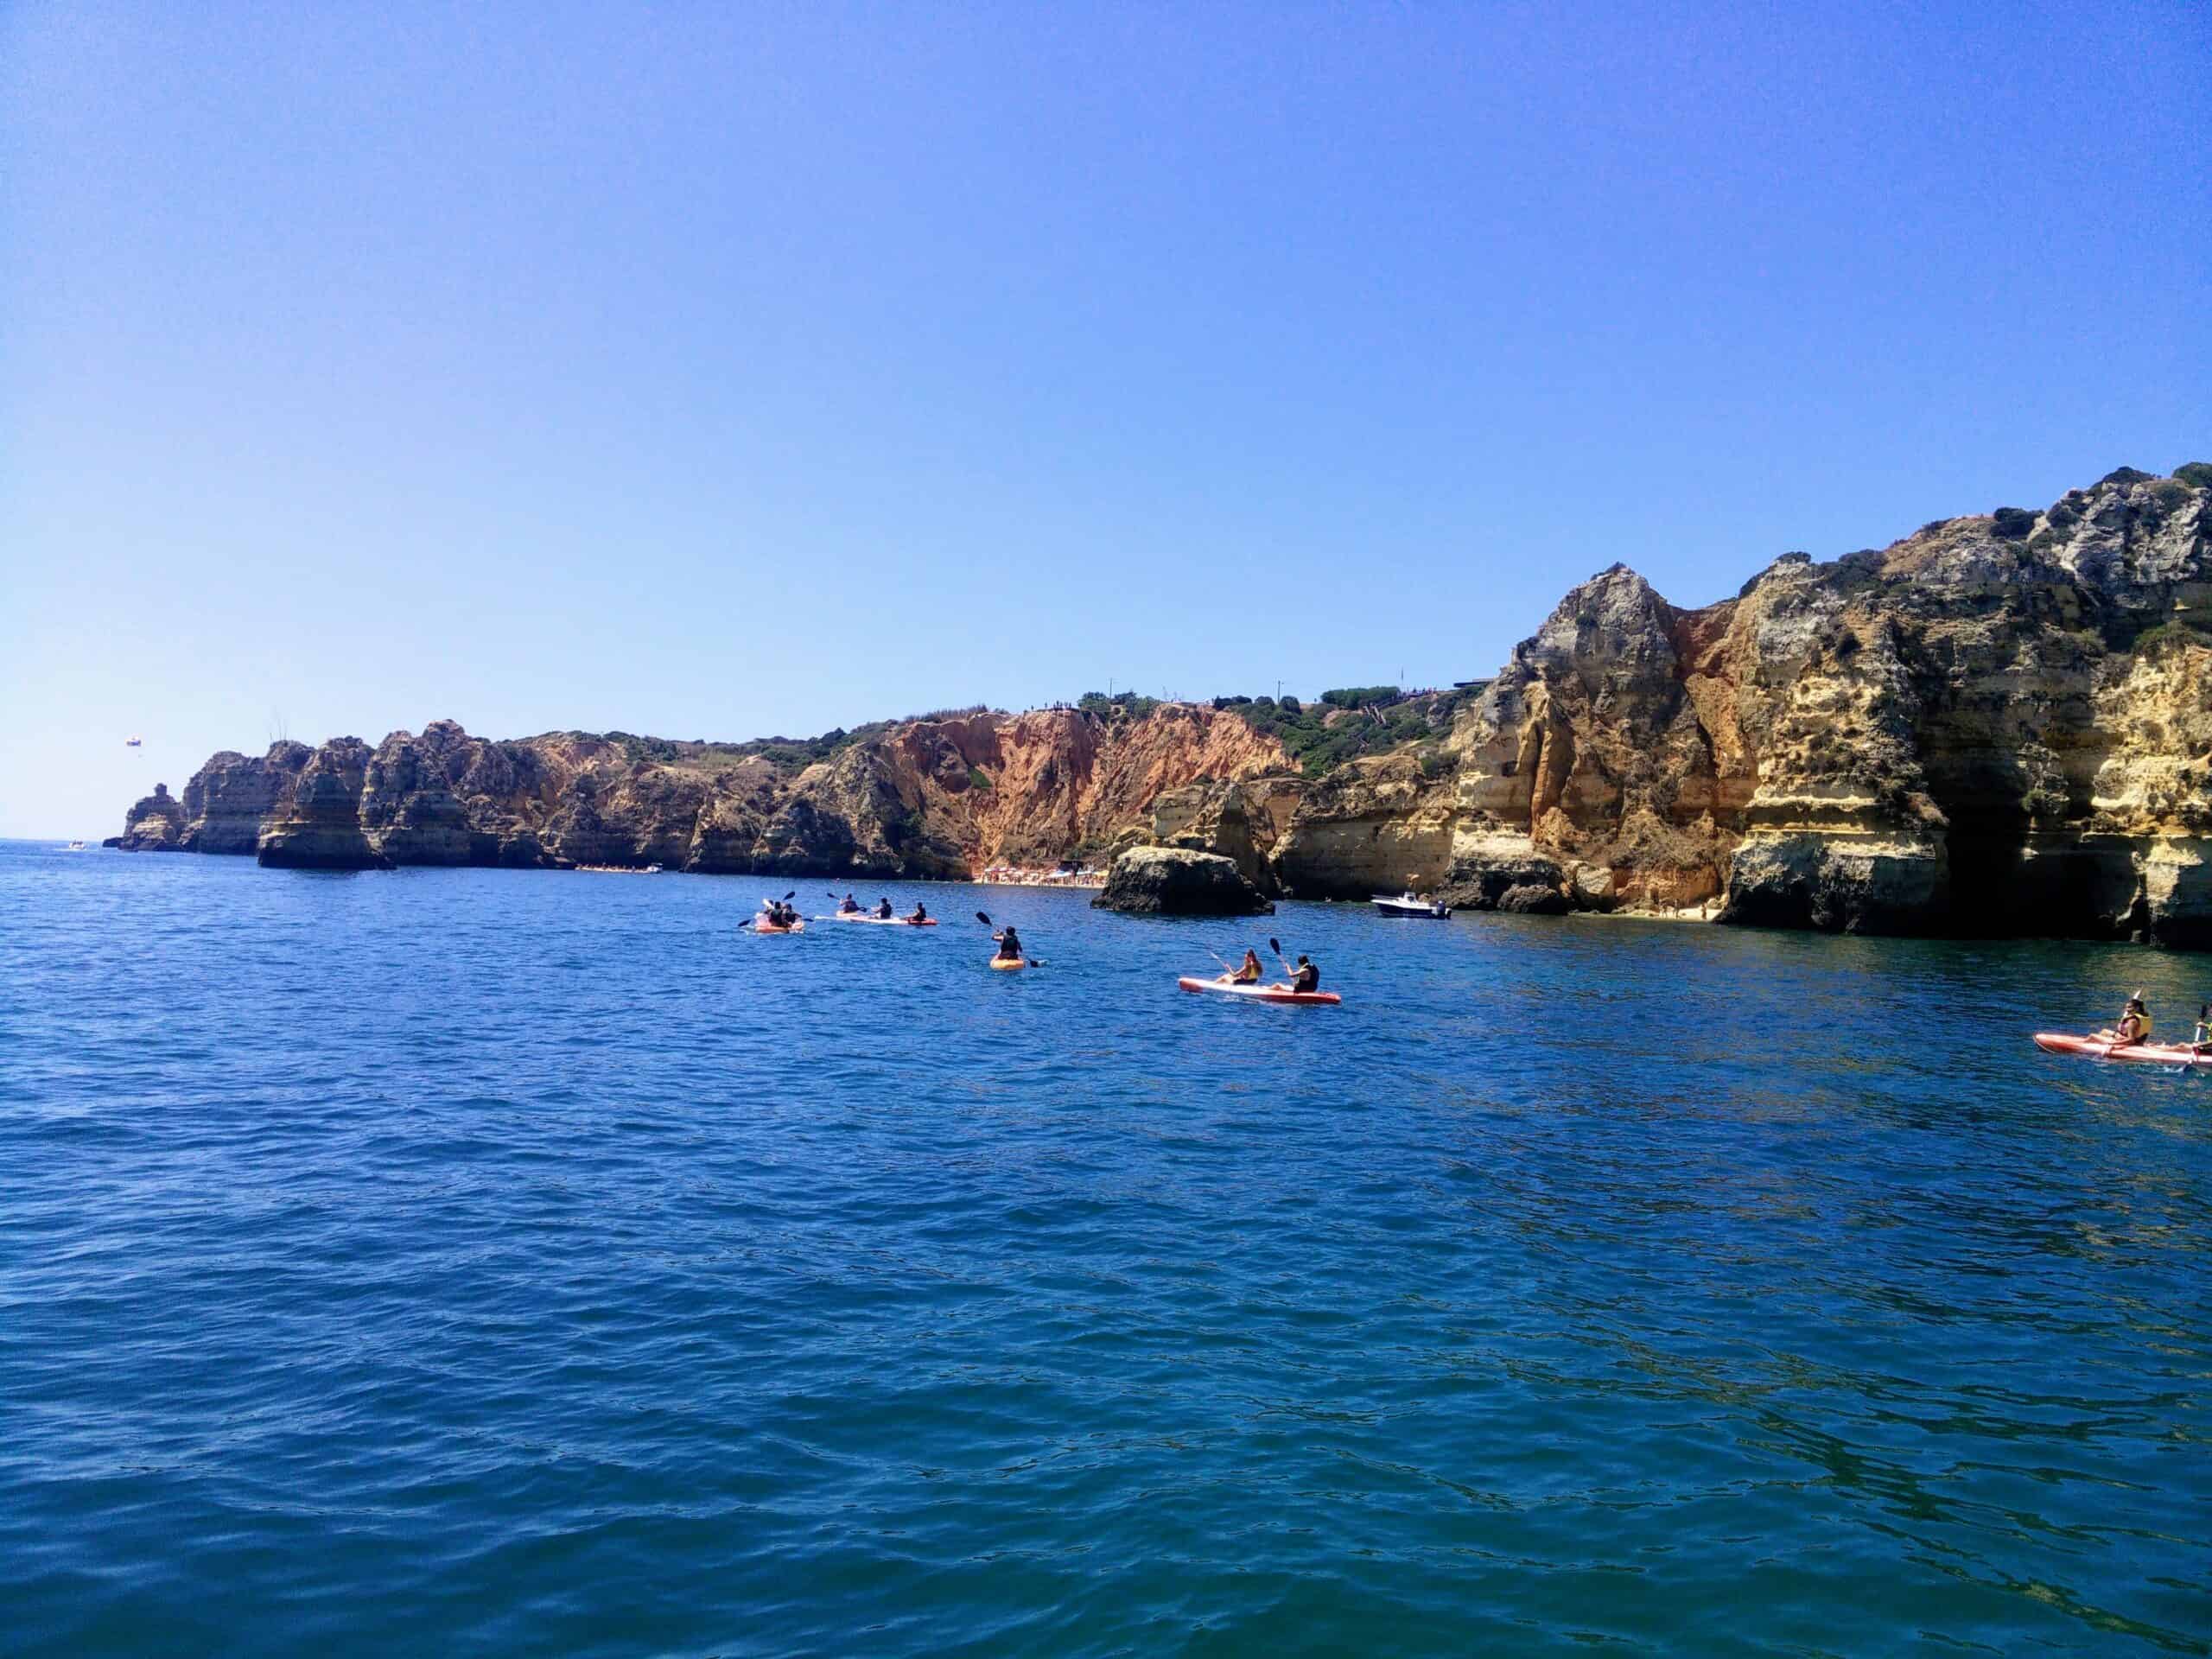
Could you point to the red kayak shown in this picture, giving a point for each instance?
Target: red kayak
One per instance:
(770, 927)
(1261, 992)
(2059, 1042)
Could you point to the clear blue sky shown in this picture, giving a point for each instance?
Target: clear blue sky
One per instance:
(709, 371)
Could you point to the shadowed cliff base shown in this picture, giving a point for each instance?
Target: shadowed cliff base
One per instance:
(2000, 724)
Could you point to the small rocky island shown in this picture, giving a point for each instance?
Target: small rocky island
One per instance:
(2001, 724)
(1175, 882)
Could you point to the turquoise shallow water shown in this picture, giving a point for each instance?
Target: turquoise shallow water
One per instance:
(470, 1261)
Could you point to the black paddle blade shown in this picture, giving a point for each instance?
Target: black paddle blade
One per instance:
(1274, 945)
(984, 920)
(792, 895)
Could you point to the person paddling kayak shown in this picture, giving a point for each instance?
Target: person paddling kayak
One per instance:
(1009, 944)
(1246, 972)
(921, 913)
(1307, 979)
(883, 911)
(850, 906)
(2134, 1026)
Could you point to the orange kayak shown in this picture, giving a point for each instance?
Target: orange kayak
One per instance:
(1261, 992)
(2059, 1042)
(770, 927)
(1005, 966)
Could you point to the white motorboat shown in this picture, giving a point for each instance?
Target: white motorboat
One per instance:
(1410, 903)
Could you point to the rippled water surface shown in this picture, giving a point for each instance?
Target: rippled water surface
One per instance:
(466, 1262)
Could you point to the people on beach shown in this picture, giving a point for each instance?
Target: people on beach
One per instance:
(1246, 972)
(1009, 944)
(2133, 1026)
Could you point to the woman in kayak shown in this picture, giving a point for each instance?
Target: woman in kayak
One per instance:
(1247, 972)
(2134, 1026)
(1009, 944)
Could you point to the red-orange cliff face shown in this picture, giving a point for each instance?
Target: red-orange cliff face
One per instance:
(929, 798)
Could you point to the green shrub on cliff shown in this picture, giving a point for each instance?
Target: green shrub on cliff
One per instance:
(2169, 636)
(2197, 474)
(1322, 737)
(1356, 696)
(1121, 705)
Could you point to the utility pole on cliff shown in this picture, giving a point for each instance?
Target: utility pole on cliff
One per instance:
(1278, 691)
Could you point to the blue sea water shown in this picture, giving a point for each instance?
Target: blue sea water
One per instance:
(472, 1263)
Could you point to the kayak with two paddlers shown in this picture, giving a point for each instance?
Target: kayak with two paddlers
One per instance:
(1303, 984)
(2129, 1038)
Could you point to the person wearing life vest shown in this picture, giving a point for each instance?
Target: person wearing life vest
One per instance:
(850, 906)
(2201, 1036)
(883, 911)
(2134, 1024)
(1307, 979)
(921, 913)
(1009, 944)
(1246, 972)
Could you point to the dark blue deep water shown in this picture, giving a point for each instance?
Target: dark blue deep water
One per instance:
(472, 1263)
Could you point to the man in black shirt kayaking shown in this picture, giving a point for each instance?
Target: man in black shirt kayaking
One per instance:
(1307, 979)
(850, 906)
(883, 911)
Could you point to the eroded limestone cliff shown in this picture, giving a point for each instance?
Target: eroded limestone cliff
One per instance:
(2000, 724)
(937, 796)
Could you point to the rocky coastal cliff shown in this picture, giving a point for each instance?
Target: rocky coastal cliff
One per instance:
(2000, 724)
(939, 796)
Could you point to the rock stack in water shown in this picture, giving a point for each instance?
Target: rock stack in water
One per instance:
(155, 823)
(1176, 881)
